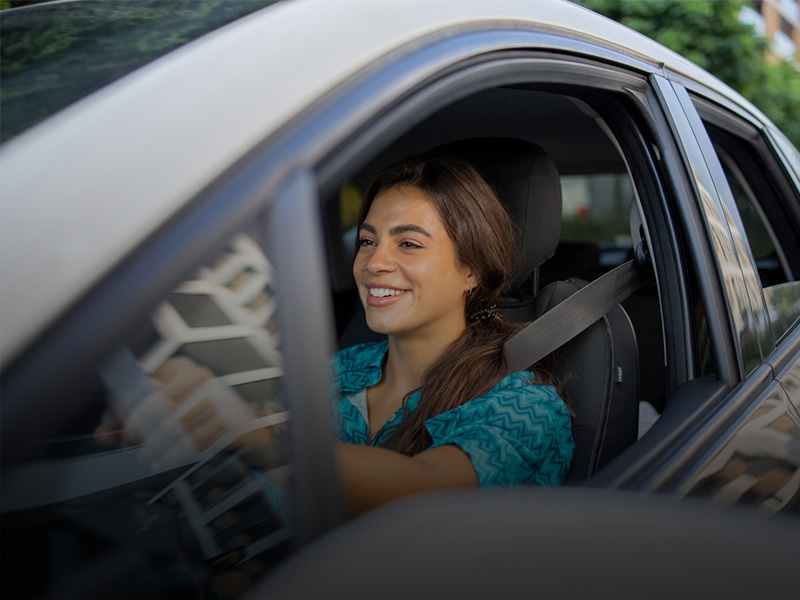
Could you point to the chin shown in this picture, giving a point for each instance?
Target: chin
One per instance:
(381, 328)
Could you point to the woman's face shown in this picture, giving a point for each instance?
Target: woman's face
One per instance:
(408, 275)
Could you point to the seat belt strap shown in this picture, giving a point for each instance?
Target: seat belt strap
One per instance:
(572, 316)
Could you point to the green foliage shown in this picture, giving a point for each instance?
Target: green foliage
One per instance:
(779, 98)
(711, 36)
(4, 4)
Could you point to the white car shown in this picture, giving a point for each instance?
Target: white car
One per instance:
(179, 181)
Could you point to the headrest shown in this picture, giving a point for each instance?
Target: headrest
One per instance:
(526, 180)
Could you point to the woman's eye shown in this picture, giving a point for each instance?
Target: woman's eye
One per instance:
(409, 245)
(364, 242)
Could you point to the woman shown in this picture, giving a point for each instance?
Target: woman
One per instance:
(427, 409)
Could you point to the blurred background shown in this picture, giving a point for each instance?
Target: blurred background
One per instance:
(750, 45)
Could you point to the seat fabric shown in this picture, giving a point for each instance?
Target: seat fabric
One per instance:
(602, 368)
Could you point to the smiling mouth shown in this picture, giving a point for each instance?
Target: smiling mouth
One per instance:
(384, 292)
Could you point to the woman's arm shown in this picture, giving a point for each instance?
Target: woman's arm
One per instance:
(373, 476)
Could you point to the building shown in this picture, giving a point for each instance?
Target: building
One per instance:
(779, 21)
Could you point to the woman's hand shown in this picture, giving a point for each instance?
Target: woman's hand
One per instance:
(176, 379)
(188, 411)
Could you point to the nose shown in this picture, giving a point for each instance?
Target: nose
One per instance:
(380, 260)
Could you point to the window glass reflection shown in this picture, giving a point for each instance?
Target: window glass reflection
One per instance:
(182, 463)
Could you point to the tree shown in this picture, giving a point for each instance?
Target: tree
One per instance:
(711, 36)
(17, 3)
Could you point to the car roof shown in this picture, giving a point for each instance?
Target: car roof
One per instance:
(82, 189)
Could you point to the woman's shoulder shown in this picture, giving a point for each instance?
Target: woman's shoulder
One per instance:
(516, 394)
(519, 423)
(522, 387)
(525, 383)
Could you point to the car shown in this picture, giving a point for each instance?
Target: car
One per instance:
(197, 202)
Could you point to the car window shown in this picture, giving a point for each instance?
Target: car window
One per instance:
(601, 181)
(160, 465)
(763, 201)
(596, 210)
(55, 54)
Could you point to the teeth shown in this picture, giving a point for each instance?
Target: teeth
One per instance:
(383, 292)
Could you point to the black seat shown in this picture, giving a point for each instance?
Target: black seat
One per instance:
(602, 367)
(526, 180)
(601, 364)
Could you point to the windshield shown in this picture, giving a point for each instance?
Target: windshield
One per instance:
(54, 54)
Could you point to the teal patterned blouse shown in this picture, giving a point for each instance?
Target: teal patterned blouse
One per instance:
(518, 433)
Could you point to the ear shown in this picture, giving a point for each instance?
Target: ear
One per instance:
(471, 282)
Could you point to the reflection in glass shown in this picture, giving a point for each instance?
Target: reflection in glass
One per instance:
(56, 53)
(759, 466)
(783, 307)
(186, 479)
(718, 222)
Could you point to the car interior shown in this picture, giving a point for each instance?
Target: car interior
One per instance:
(566, 185)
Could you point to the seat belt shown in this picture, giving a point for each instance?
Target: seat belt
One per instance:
(575, 314)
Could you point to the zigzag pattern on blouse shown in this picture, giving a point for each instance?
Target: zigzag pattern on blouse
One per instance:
(351, 429)
(544, 435)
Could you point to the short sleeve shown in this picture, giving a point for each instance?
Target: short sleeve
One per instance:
(519, 433)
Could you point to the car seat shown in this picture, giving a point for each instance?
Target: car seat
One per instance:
(526, 180)
(600, 364)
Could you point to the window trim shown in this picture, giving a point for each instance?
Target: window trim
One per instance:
(734, 265)
(779, 181)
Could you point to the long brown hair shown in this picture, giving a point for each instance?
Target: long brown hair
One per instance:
(483, 234)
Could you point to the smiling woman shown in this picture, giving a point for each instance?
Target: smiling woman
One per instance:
(409, 273)
(433, 256)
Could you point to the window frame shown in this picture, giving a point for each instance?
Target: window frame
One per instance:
(737, 285)
(677, 238)
(593, 76)
(776, 186)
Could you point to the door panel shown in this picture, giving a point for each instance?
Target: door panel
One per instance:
(758, 463)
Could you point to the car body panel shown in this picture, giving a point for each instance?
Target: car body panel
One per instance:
(742, 469)
(789, 379)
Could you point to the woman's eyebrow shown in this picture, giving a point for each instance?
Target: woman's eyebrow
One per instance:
(397, 229)
(400, 229)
